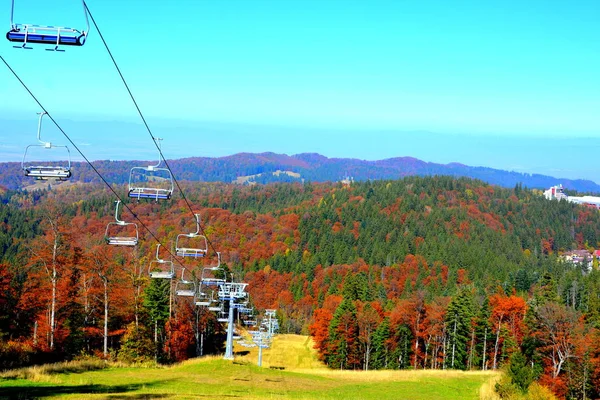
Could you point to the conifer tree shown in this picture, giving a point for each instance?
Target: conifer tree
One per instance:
(520, 374)
(402, 351)
(380, 357)
(459, 318)
(343, 338)
(483, 336)
(157, 302)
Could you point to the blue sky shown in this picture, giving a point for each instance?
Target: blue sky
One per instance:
(506, 84)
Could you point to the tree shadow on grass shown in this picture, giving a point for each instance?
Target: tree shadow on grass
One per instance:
(36, 392)
(141, 396)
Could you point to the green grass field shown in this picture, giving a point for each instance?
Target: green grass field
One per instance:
(290, 371)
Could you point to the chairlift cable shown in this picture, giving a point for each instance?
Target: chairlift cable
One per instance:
(84, 157)
(154, 139)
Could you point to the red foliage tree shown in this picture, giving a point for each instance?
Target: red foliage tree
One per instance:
(180, 339)
(506, 319)
(319, 328)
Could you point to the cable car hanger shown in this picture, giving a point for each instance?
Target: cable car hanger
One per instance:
(185, 287)
(187, 251)
(46, 34)
(141, 190)
(208, 278)
(43, 172)
(161, 269)
(202, 296)
(120, 240)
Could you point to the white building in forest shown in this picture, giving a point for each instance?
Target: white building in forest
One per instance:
(557, 193)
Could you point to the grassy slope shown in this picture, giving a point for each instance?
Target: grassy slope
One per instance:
(303, 378)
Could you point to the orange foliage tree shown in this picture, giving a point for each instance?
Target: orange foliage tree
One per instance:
(507, 314)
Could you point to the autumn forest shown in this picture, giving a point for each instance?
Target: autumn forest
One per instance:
(423, 272)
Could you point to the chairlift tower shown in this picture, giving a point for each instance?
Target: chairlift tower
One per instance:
(272, 323)
(231, 291)
(262, 341)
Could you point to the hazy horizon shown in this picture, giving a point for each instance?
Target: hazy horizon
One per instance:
(560, 157)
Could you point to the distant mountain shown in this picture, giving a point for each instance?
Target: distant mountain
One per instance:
(271, 167)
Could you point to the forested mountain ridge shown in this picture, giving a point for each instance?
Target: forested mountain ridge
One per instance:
(422, 272)
(309, 166)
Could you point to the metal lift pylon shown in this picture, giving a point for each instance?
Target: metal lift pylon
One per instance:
(231, 291)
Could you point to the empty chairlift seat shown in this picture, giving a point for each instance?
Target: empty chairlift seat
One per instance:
(121, 233)
(46, 34)
(151, 182)
(223, 316)
(202, 301)
(209, 278)
(192, 244)
(37, 161)
(45, 172)
(57, 36)
(161, 269)
(206, 297)
(185, 287)
(213, 276)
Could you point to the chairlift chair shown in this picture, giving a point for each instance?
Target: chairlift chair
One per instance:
(202, 299)
(256, 334)
(184, 287)
(200, 247)
(215, 304)
(205, 297)
(201, 302)
(111, 236)
(223, 316)
(161, 269)
(208, 277)
(46, 34)
(45, 171)
(141, 181)
(246, 310)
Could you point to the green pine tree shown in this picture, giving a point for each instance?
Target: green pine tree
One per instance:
(483, 337)
(459, 318)
(403, 349)
(380, 357)
(520, 373)
(156, 303)
(343, 338)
